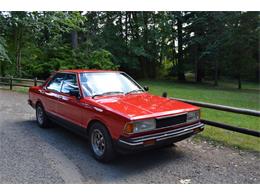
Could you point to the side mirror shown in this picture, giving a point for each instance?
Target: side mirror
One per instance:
(75, 92)
(164, 94)
(146, 88)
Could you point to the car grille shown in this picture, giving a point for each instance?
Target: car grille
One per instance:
(171, 121)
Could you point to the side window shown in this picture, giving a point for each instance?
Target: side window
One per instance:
(56, 82)
(69, 83)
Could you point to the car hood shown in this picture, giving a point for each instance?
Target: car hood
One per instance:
(143, 105)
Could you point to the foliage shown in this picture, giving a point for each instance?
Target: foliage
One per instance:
(3, 54)
(101, 59)
(144, 44)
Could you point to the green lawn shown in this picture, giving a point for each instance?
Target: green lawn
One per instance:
(16, 88)
(225, 94)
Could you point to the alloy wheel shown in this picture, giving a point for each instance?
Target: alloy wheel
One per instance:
(98, 142)
(39, 115)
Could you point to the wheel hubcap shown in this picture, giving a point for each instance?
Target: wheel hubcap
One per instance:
(98, 142)
(39, 114)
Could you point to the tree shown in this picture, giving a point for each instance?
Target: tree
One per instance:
(180, 20)
(102, 59)
(144, 44)
(3, 56)
(3, 52)
(242, 36)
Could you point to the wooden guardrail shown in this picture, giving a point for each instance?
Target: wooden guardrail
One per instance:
(248, 112)
(11, 81)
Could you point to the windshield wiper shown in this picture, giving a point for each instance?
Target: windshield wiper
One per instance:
(108, 93)
(133, 91)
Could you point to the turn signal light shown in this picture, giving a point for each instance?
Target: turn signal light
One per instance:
(129, 128)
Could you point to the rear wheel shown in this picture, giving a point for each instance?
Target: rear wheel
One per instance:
(101, 143)
(41, 117)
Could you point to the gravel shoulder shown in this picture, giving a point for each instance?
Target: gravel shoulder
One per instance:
(29, 154)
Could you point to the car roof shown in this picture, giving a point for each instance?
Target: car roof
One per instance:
(85, 70)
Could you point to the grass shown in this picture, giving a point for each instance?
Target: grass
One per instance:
(16, 88)
(225, 94)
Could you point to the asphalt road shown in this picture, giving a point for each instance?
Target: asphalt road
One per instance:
(29, 154)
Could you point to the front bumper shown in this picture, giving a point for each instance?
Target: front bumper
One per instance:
(159, 139)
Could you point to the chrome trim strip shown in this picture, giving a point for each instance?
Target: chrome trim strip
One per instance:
(185, 131)
(163, 135)
(174, 135)
(131, 144)
(172, 130)
(98, 109)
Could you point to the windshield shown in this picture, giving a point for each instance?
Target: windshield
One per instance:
(107, 83)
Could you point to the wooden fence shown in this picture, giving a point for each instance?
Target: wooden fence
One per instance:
(248, 112)
(11, 82)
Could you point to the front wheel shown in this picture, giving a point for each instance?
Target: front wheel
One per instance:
(41, 117)
(101, 143)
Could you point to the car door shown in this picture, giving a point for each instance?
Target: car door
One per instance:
(52, 93)
(69, 106)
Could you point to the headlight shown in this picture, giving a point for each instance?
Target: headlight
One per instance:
(193, 116)
(140, 126)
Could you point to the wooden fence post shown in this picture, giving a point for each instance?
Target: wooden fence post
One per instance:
(11, 82)
(35, 81)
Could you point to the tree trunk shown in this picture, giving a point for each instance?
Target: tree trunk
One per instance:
(19, 63)
(239, 81)
(126, 29)
(18, 38)
(257, 74)
(180, 69)
(216, 73)
(196, 63)
(145, 60)
(131, 25)
(74, 39)
(46, 33)
(153, 62)
(121, 26)
(199, 73)
(173, 46)
(136, 25)
(2, 70)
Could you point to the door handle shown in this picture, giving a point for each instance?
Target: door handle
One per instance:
(42, 91)
(64, 98)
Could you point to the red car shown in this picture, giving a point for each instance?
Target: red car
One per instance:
(113, 111)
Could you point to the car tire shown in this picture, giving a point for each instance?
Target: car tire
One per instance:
(101, 143)
(41, 117)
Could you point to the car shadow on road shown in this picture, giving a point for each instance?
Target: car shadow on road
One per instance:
(76, 149)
